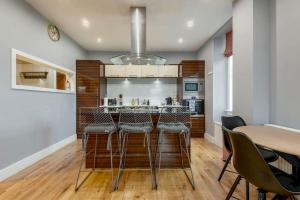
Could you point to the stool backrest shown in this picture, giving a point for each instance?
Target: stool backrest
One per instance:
(94, 116)
(230, 123)
(174, 115)
(135, 117)
(250, 164)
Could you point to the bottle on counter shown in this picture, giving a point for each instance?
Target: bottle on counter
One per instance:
(105, 100)
(132, 101)
(120, 100)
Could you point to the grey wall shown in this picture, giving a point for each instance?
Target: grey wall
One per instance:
(31, 121)
(261, 60)
(243, 58)
(220, 76)
(172, 57)
(251, 60)
(285, 69)
(266, 59)
(216, 82)
(207, 53)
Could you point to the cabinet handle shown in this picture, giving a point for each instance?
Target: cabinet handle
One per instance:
(150, 76)
(132, 75)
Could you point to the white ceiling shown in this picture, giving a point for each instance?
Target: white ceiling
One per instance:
(110, 20)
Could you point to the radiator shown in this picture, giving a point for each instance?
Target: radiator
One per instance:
(283, 165)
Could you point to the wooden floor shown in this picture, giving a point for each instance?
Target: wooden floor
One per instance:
(54, 178)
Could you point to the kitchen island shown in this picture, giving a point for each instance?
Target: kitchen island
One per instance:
(170, 152)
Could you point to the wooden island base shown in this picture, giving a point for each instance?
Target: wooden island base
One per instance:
(170, 156)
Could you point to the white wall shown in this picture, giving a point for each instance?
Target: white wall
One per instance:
(207, 53)
(243, 58)
(220, 77)
(261, 61)
(215, 81)
(251, 61)
(285, 69)
(31, 121)
(156, 90)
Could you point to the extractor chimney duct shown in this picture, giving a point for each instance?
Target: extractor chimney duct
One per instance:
(138, 31)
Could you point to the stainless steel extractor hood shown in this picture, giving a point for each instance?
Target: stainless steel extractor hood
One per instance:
(138, 55)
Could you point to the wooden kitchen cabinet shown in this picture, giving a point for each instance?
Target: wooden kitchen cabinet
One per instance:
(198, 127)
(90, 86)
(192, 68)
(115, 71)
(168, 71)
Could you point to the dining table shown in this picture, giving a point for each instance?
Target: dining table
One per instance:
(284, 141)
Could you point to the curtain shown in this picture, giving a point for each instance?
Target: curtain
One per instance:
(228, 50)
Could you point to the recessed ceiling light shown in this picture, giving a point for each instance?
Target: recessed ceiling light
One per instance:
(190, 23)
(85, 23)
(99, 40)
(180, 40)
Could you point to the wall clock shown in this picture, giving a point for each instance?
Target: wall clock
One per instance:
(53, 32)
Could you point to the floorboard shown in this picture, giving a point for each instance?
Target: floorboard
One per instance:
(54, 178)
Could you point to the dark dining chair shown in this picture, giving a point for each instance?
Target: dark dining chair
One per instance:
(230, 123)
(251, 165)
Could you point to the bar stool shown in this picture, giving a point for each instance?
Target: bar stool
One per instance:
(135, 121)
(95, 121)
(175, 121)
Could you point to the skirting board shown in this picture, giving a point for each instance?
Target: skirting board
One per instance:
(26, 162)
(209, 138)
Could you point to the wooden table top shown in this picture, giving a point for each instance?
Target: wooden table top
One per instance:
(274, 138)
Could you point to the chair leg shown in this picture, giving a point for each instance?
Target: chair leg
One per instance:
(81, 163)
(83, 139)
(292, 197)
(224, 167)
(180, 147)
(111, 163)
(160, 140)
(191, 180)
(150, 161)
(262, 195)
(121, 163)
(125, 151)
(247, 190)
(95, 152)
(233, 187)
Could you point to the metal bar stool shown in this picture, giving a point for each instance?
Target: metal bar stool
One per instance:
(95, 121)
(135, 121)
(175, 121)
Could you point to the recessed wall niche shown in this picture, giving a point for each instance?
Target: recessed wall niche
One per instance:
(32, 73)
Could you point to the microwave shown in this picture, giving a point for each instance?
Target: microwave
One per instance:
(193, 85)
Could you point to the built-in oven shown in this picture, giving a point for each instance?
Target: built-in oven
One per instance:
(196, 106)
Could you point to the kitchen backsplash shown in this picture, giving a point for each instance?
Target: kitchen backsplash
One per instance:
(156, 90)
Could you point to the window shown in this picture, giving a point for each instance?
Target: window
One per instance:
(230, 84)
(31, 73)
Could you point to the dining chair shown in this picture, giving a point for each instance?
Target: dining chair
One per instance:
(230, 123)
(251, 165)
(96, 121)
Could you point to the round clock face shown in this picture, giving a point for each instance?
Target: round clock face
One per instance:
(53, 32)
